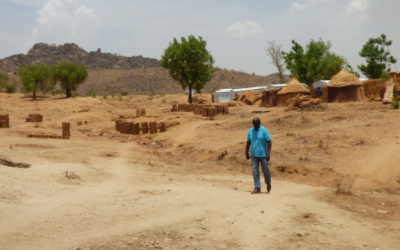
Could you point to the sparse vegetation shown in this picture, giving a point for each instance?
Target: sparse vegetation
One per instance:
(395, 103)
(124, 93)
(344, 185)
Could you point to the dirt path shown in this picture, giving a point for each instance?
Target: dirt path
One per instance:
(118, 200)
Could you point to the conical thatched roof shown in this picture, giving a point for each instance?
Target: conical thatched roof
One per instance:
(343, 79)
(294, 86)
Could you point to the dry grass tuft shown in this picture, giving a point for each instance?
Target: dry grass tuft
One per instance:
(344, 185)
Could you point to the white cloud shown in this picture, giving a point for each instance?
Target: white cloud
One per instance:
(62, 21)
(245, 30)
(298, 7)
(357, 6)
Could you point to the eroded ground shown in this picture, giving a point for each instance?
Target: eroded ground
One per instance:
(104, 190)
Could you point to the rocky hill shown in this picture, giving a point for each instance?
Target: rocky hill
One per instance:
(42, 53)
(112, 73)
(146, 80)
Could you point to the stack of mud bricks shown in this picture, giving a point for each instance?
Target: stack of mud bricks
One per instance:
(66, 129)
(211, 112)
(48, 136)
(174, 107)
(204, 111)
(79, 123)
(4, 121)
(162, 126)
(145, 127)
(135, 129)
(35, 118)
(153, 127)
(140, 112)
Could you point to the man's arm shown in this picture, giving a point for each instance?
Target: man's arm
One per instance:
(269, 150)
(247, 149)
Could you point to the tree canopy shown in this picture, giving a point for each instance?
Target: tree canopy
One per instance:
(377, 56)
(70, 75)
(316, 63)
(35, 76)
(189, 63)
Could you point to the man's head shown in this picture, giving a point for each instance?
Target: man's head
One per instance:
(256, 123)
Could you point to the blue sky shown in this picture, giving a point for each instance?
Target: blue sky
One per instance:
(237, 32)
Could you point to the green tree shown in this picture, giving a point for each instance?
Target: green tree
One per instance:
(377, 56)
(295, 61)
(3, 79)
(316, 63)
(35, 76)
(189, 63)
(70, 75)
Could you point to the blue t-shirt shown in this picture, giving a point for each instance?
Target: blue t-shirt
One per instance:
(259, 139)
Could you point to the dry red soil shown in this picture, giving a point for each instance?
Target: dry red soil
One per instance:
(104, 190)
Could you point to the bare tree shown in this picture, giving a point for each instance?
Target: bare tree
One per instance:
(274, 52)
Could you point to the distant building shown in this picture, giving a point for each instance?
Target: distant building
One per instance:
(227, 95)
(187, 91)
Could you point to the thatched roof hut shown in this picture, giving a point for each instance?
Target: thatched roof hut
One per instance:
(345, 87)
(290, 91)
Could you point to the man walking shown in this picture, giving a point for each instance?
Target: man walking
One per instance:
(259, 139)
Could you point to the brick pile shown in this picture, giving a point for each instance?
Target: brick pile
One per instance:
(211, 112)
(66, 129)
(162, 127)
(204, 111)
(48, 136)
(153, 127)
(135, 128)
(140, 112)
(174, 107)
(4, 121)
(79, 123)
(145, 127)
(34, 118)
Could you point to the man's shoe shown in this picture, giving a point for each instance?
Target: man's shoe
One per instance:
(269, 188)
(255, 191)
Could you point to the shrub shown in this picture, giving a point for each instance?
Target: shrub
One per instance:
(112, 95)
(120, 98)
(395, 103)
(344, 186)
(164, 101)
(10, 88)
(105, 96)
(152, 93)
(124, 93)
(92, 93)
(140, 93)
(150, 98)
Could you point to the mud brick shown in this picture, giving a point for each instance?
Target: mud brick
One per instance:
(162, 127)
(142, 112)
(211, 112)
(136, 128)
(79, 123)
(121, 116)
(226, 110)
(145, 128)
(153, 127)
(85, 122)
(204, 111)
(175, 107)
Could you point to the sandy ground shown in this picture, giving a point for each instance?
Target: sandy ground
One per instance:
(169, 191)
